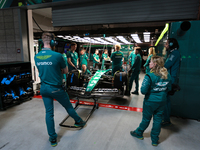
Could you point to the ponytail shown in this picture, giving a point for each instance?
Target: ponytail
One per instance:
(163, 72)
(159, 69)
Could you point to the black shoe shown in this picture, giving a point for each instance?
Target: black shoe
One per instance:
(127, 93)
(135, 92)
(80, 124)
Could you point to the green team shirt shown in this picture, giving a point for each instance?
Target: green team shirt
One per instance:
(104, 56)
(154, 88)
(132, 57)
(65, 59)
(147, 63)
(97, 58)
(87, 72)
(49, 64)
(116, 58)
(137, 63)
(74, 58)
(83, 59)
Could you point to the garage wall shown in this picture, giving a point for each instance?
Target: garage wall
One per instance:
(13, 35)
(103, 12)
(186, 102)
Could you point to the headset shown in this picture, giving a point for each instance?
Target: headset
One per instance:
(52, 42)
(173, 43)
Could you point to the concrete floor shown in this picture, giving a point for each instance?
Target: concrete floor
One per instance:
(23, 128)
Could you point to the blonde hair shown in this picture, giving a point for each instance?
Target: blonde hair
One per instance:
(118, 47)
(159, 69)
(152, 51)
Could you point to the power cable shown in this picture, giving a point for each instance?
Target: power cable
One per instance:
(37, 24)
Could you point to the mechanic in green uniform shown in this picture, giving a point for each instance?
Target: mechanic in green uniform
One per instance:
(83, 58)
(65, 59)
(135, 71)
(72, 57)
(51, 65)
(131, 58)
(117, 58)
(104, 58)
(85, 71)
(151, 53)
(96, 58)
(155, 86)
(172, 64)
(87, 53)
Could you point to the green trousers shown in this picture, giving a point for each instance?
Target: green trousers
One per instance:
(155, 110)
(49, 93)
(134, 76)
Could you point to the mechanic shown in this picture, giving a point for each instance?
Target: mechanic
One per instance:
(72, 57)
(151, 53)
(155, 86)
(173, 65)
(96, 58)
(65, 59)
(85, 71)
(51, 65)
(83, 58)
(105, 57)
(131, 58)
(135, 71)
(117, 58)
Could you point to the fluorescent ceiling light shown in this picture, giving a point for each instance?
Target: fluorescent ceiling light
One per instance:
(101, 40)
(91, 40)
(121, 38)
(146, 36)
(136, 38)
(60, 36)
(112, 40)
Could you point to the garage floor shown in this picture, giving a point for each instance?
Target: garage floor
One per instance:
(23, 128)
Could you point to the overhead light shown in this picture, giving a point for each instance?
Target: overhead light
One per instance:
(146, 36)
(68, 37)
(101, 40)
(121, 38)
(91, 40)
(112, 40)
(136, 38)
(60, 36)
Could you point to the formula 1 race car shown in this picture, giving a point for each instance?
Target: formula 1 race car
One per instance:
(99, 84)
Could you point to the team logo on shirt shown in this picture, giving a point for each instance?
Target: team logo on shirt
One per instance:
(43, 57)
(162, 83)
(44, 63)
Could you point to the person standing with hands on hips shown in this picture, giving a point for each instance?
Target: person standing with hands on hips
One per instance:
(151, 53)
(72, 57)
(96, 58)
(51, 65)
(104, 58)
(155, 86)
(173, 65)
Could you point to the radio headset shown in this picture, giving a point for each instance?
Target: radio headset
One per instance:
(52, 42)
